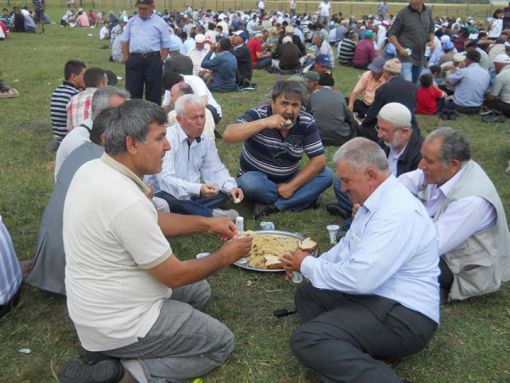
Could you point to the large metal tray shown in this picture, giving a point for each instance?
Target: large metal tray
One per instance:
(276, 233)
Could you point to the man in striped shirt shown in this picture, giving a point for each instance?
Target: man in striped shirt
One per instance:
(73, 82)
(276, 135)
(10, 272)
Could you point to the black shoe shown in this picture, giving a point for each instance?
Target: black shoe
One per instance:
(314, 205)
(335, 209)
(105, 371)
(261, 209)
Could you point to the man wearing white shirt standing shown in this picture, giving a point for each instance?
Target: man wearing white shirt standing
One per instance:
(193, 179)
(324, 8)
(470, 220)
(375, 294)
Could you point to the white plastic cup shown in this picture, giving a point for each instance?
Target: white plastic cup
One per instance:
(267, 225)
(240, 224)
(333, 232)
(297, 277)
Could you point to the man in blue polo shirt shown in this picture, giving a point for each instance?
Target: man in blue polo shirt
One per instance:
(145, 43)
(276, 135)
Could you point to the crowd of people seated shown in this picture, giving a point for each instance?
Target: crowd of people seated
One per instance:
(424, 223)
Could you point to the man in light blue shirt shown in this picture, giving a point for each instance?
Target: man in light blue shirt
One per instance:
(470, 83)
(193, 180)
(375, 294)
(10, 272)
(145, 42)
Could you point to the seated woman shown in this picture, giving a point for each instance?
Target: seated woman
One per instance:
(223, 66)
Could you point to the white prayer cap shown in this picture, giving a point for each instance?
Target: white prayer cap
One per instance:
(199, 38)
(502, 59)
(287, 39)
(445, 38)
(396, 114)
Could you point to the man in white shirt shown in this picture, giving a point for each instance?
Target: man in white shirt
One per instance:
(102, 98)
(324, 8)
(199, 88)
(471, 224)
(375, 294)
(193, 179)
(197, 54)
(128, 295)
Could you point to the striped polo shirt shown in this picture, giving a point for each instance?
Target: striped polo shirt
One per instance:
(268, 152)
(58, 111)
(10, 271)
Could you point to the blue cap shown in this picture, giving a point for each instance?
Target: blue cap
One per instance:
(324, 60)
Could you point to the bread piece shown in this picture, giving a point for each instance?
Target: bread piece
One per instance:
(272, 262)
(308, 245)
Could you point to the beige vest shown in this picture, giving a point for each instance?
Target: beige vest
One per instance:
(482, 262)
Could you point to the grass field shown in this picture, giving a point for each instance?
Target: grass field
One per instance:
(472, 344)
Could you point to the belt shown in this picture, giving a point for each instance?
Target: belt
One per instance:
(146, 54)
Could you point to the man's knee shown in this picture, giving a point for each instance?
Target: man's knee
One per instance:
(202, 295)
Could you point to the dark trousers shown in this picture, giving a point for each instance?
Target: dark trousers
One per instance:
(499, 105)
(361, 108)
(195, 206)
(144, 70)
(450, 105)
(342, 336)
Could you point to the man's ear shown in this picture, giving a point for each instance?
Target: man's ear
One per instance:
(131, 145)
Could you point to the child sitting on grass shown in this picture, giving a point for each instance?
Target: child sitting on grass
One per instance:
(428, 97)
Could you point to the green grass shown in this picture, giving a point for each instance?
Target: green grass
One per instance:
(472, 344)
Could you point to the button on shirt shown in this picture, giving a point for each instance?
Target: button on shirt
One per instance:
(390, 251)
(144, 36)
(185, 165)
(470, 85)
(461, 219)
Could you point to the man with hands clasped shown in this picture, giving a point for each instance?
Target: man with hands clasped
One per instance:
(276, 135)
(375, 294)
(193, 179)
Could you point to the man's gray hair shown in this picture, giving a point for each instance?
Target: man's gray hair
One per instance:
(131, 119)
(101, 99)
(454, 145)
(181, 102)
(294, 88)
(361, 153)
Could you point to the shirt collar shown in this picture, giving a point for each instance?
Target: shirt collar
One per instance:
(182, 136)
(448, 185)
(116, 165)
(376, 198)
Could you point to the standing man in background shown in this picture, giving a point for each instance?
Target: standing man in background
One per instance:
(145, 42)
(39, 6)
(412, 30)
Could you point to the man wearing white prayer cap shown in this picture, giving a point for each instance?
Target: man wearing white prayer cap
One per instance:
(198, 53)
(401, 144)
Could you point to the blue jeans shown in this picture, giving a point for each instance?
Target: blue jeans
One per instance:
(411, 72)
(194, 206)
(343, 201)
(259, 188)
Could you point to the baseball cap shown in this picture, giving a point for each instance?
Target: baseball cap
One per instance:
(376, 65)
(311, 75)
(502, 59)
(324, 60)
(393, 66)
(144, 3)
